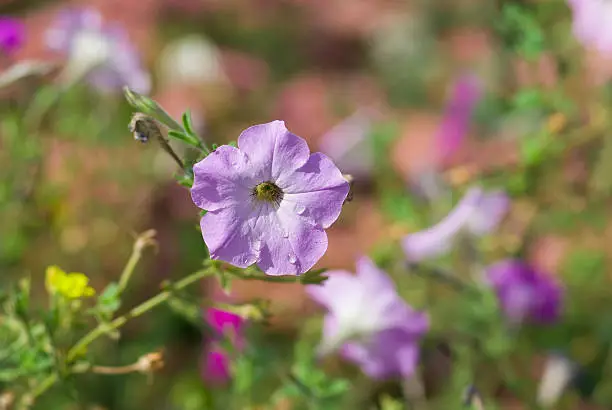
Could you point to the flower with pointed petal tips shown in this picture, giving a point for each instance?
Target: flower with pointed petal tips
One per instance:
(100, 51)
(478, 213)
(525, 294)
(269, 200)
(369, 322)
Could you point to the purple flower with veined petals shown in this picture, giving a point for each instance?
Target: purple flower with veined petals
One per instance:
(268, 201)
(100, 51)
(369, 322)
(347, 144)
(12, 34)
(457, 117)
(592, 23)
(216, 362)
(524, 292)
(478, 213)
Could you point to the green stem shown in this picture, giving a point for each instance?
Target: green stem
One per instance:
(102, 329)
(129, 268)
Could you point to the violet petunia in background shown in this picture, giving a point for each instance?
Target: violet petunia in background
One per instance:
(100, 51)
(216, 362)
(269, 201)
(477, 214)
(457, 116)
(525, 294)
(12, 35)
(348, 144)
(369, 322)
(592, 23)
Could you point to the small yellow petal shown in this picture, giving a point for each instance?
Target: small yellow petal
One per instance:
(53, 276)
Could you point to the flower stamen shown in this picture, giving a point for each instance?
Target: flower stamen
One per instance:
(268, 192)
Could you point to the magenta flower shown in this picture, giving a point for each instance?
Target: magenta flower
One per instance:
(216, 362)
(369, 322)
(102, 52)
(457, 117)
(477, 214)
(592, 23)
(524, 293)
(269, 201)
(12, 35)
(348, 145)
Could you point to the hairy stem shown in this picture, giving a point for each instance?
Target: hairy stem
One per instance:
(102, 329)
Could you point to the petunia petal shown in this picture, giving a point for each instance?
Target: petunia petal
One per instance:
(290, 245)
(330, 292)
(489, 212)
(321, 208)
(222, 179)
(228, 233)
(373, 278)
(272, 147)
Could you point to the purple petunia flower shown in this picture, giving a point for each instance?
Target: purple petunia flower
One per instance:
(592, 23)
(369, 322)
(216, 361)
(100, 51)
(477, 214)
(456, 121)
(525, 293)
(269, 201)
(12, 35)
(347, 144)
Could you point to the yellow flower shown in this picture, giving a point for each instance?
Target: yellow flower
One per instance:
(70, 285)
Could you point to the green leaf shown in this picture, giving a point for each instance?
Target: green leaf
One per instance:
(186, 138)
(148, 106)
(109, 300)
(314, 277)
(187, 124)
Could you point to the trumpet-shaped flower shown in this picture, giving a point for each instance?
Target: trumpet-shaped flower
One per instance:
(478, 213)
(348, 145)
(216, 360)
(70, 285)
(102, 52)
(524, 293)
(268, 201)
(592, 23)
(369, 322)
(12, 33)
(456, 121)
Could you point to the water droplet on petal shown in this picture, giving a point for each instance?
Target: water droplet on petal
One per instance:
(300, 209)
(248, 260)
(285, 234)
(257, 245)
(292, 259)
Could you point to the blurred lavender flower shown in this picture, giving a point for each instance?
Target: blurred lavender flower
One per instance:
(592, 23)
(457, 116)
(478, 213)
(347, 144)
(369, 322)
(101, 52)
(12, 35)
(215, 366)
(525, 293)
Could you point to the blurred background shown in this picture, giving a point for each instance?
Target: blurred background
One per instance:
(372, 83)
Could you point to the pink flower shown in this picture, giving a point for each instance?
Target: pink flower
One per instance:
(216, 361)
(592, 23)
